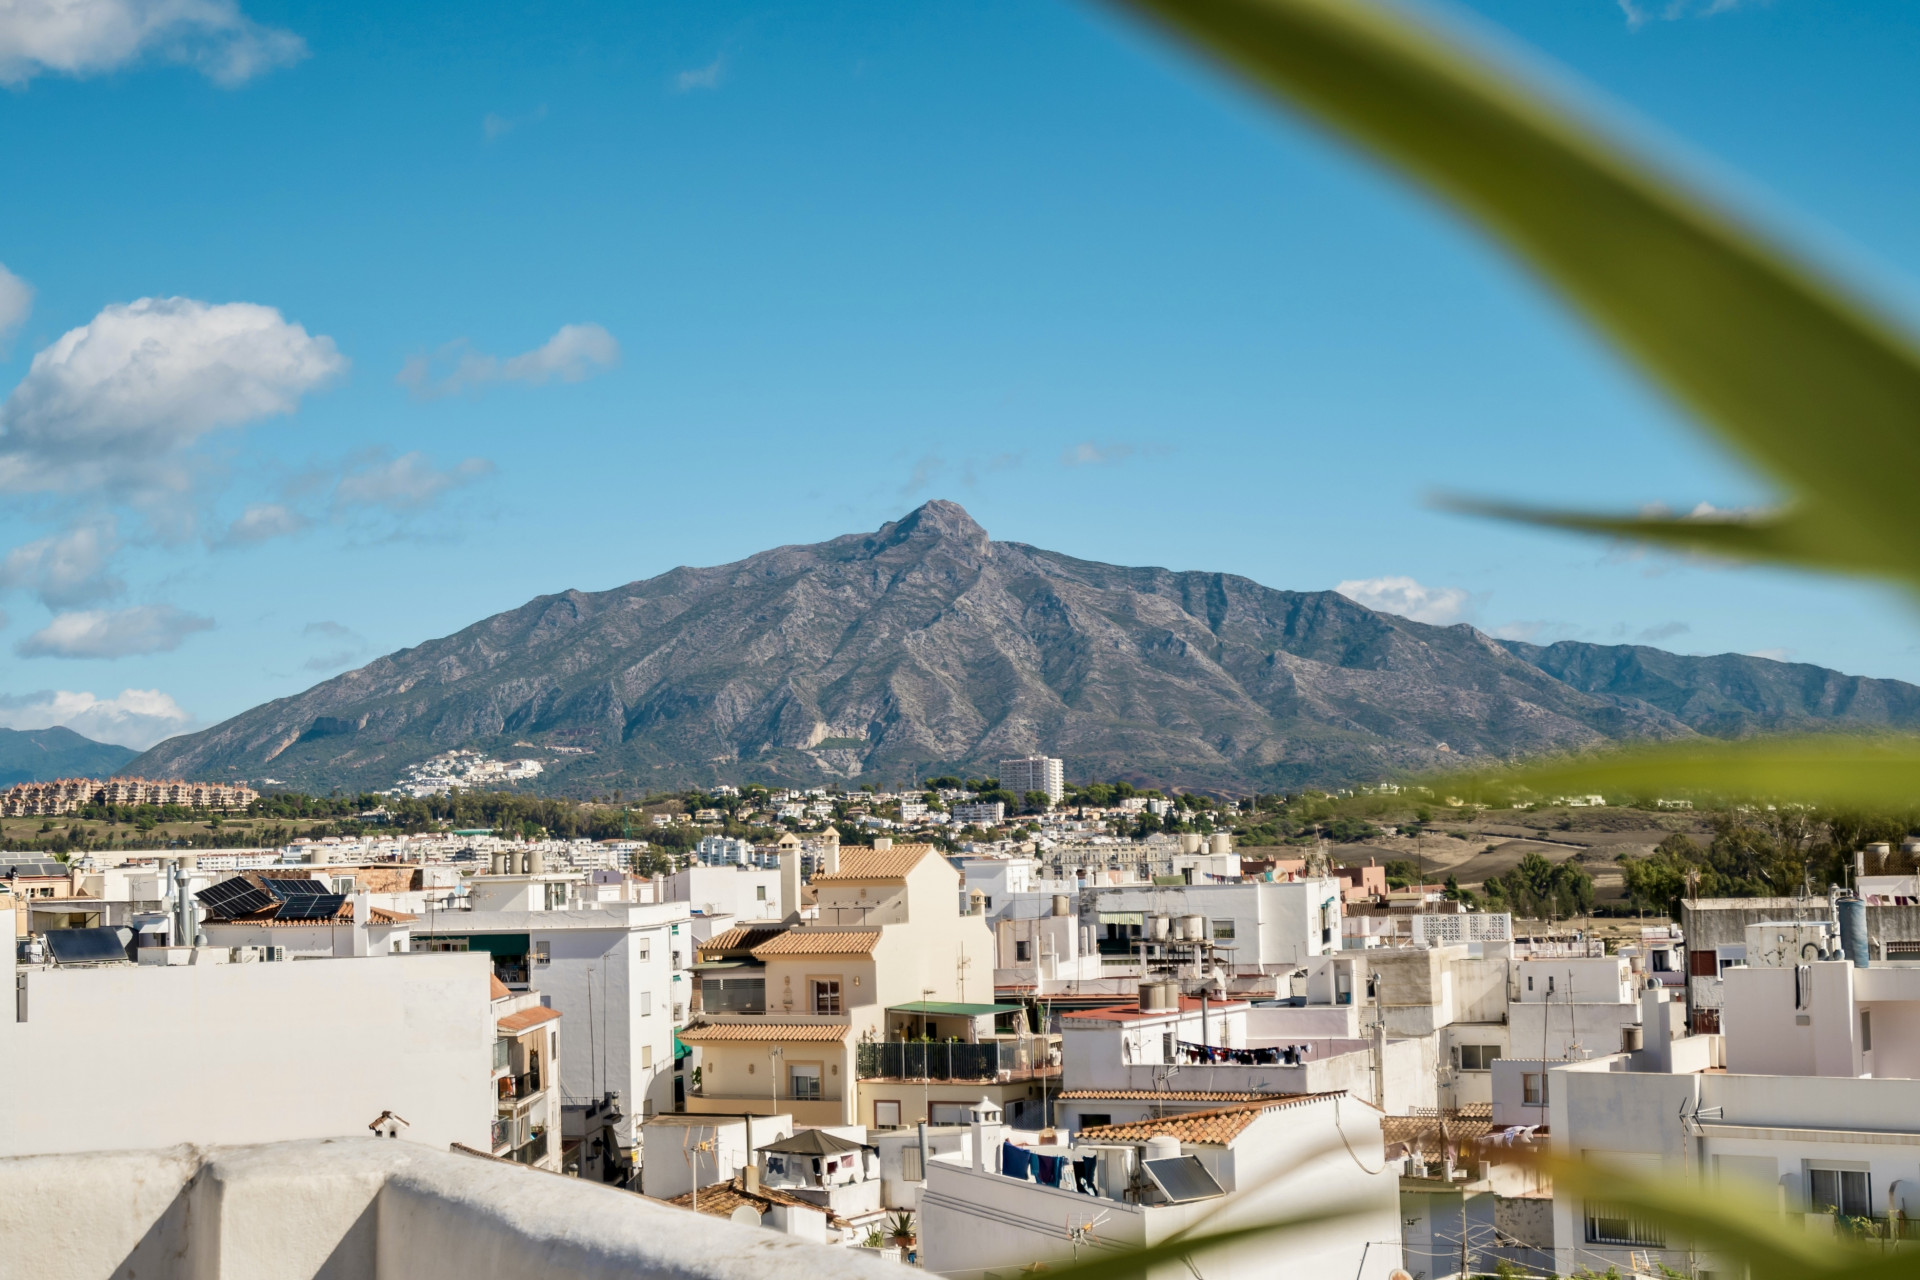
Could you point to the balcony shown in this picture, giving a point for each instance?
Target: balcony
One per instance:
(514, 1088)
(1024, 1058)
(502, 1132)
(380, 1209)
(535, 1150)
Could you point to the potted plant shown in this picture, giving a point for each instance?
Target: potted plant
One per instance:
(900, 1229)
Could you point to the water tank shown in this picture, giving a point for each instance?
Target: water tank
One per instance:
(1853, 930)
(1162, 926)
(1220, 842)
(1061, 905)
(1191, 841)
(1193, 928)
(1162, 1147)
(319, 857)
(500, 864)
(1158, 996)
(536, 862)
(1631, 1037)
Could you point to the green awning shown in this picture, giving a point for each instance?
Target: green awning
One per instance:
(680, 1051)
(1123, 917)
(475, 831)
(943, 1009)
(494, 944)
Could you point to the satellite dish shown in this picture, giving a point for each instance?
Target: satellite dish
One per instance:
(748, 1216)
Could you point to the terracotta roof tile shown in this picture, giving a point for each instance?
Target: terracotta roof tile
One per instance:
(527, 1019)
(722, 1198)
(755, 1033)
(819, 942)
(496, 989)
(1212, 1128)
(860, 863)
(1168, 1095)
(742, 938)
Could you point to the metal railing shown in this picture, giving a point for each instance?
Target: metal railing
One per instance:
(514, 1088)
(502, 1132)
(952, 1060)
(534, 1151)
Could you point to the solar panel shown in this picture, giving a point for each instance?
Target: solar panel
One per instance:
(85, 946)
(1183, 1178)
(234, 897)
(287, 887)
(312, 907)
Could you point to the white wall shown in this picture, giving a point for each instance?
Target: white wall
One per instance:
(748, 895)
(150, 1055)
(672, 1158)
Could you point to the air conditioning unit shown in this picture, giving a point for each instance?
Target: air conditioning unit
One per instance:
(275, 953)
(679, 1013)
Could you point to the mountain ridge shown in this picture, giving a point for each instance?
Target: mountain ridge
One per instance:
(42, 755)
(938, 649)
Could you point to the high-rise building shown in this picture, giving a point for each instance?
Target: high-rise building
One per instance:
(1034, 773)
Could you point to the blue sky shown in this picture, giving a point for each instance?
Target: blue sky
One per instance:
(333, 328)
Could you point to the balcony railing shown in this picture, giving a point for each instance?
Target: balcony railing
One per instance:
(502, 1131)
(534, 1151)
(952, 1060)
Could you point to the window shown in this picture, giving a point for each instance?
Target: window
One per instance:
(342, 884)
(646, 1004)
(886, 1115)
(759, 893)
(1529, 982)
(1533, 1089)
(985, 903)
(1166, 1047)
(646, 1055)
(1022, 953)
(803, 1082)
(826, 995)
(1094, 1119)
(643, 950)
(1478, 1057)
(1866, 1031)
(1844, 1190)
(911, 1170)
(1612, 1224)
(542, 953)
(1663, 962)
(1223, 928)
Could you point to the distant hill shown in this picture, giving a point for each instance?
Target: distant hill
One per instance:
(40, 755)
(926, 647)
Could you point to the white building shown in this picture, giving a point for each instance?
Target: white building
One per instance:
(1011, 1202)
(1254, 928)
(745, 893)
(208, 1052)
(1034, 773)
(979, 813)
(620, 972)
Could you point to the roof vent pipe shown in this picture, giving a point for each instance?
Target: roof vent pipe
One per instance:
(1853, 930)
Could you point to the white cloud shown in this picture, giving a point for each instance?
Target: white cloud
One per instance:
(16, 303)
(573, 354)
(1408, 598)
(68, 568)
(707, 77)
(87, 37)
(113, 405)
(405, 483)
(120, 633)
(137, 718)
(260, 522)
(1638, 14)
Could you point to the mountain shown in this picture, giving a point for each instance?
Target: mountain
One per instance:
(925, 647)
(41, 755)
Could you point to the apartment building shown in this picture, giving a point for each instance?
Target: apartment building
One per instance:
(1034, 773)
(70, 795)
(889, 934)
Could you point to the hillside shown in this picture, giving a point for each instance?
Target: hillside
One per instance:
(926, 647)
(40, 755)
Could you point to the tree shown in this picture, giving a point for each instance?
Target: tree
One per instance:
(1036, 801)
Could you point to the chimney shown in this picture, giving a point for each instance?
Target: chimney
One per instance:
(883, 842)
(750, 1176)
(830, 856)
(789, 883)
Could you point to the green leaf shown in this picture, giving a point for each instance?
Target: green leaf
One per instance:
(1797, 537)
(1809, 382)
(1829, 769)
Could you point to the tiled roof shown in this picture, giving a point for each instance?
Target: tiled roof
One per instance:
(756, 1032)
(1167, 1095)
(1213, 1128)
(722, 1198)
(819, 942)
(861, 863)
(1435, 1132)
(496, 989)
(742, 937)
(527, 1019)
